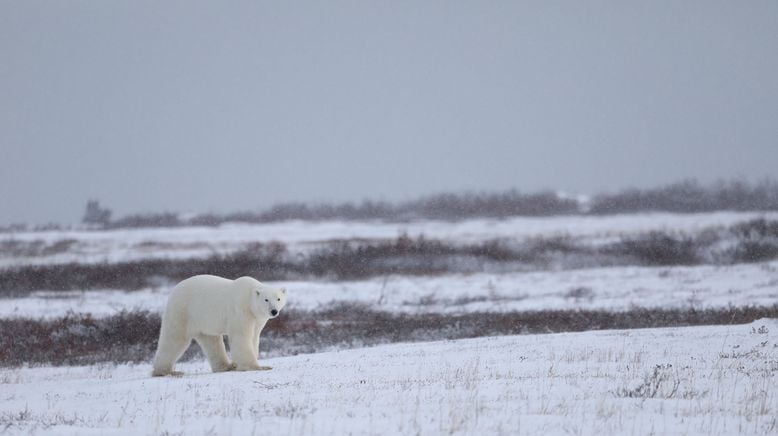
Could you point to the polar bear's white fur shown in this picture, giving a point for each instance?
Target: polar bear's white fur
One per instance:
(205, 308)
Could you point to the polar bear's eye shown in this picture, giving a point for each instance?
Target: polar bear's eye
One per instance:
(279, 299)
(266, 299)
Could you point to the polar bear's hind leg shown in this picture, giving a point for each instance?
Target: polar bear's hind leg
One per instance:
(213, 347)
(169, 350)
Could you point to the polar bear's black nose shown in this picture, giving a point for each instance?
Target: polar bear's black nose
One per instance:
(274, 312)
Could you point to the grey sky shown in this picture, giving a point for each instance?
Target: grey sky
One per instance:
(223, 106)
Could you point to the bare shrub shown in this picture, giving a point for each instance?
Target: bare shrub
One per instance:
(580, 293)
(754, 251)
(34, 248)
(660, 382)
(346, 260)
(260, 260)
(96, 214)
(164, 219)
(659, 249)
(759, 228)
(757, 241)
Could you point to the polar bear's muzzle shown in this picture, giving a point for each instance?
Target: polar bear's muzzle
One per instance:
(274, 312)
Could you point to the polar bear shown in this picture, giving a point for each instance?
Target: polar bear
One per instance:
(205, 308)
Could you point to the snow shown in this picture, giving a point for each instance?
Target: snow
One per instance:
(184, 242)
(615, 288)
(716, 380)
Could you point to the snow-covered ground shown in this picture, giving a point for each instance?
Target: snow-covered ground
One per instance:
(299, 236)
(717, 380)
(616, 288)
(702, 380)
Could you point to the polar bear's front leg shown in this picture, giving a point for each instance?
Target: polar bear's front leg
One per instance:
(241, 345)
(255, 348)
(255, 343)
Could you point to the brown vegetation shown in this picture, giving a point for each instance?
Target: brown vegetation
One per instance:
(753, 241)
(132, 336)
(684, 197)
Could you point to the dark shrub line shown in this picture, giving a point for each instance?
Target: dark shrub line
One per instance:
(441, 206)
(683, 197)
(259, 261)
(132, 336)
(754, 241)
(38, 247)
(689, 197)
(659, 249)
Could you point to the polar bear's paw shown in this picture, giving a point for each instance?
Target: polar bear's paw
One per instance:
(253, 367)
(163, 373)
(166, 374)
(230, 366)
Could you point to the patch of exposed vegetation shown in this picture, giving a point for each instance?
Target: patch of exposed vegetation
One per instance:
(753, 241)
(132, 336)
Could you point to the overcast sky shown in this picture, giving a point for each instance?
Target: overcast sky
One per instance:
(224, 106)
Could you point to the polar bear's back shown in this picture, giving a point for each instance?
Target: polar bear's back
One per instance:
(201, 288)
(202, 303)
(201, 283)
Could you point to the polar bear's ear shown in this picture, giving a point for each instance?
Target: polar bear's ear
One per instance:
(283, 291)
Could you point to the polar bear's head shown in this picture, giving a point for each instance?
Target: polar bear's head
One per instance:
(267, 302)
